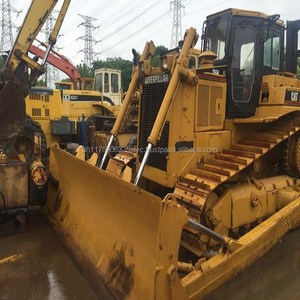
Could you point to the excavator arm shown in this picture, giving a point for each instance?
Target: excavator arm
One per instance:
(59, 61)
(20, 71)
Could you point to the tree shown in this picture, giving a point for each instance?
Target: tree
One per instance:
(1, 63)
(155, 61)
(40, 82)
(85, 71)
(120, 64)
(66, 80)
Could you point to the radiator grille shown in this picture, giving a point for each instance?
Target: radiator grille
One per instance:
(203, 103)
(151, 100)
(36, 112)
(39, 97)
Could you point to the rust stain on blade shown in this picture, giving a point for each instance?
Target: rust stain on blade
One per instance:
(121, 275)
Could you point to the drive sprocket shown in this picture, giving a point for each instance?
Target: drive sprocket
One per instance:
(291, 156)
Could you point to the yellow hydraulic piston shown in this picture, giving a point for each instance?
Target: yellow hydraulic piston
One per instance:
(148, 50)
(181, 67)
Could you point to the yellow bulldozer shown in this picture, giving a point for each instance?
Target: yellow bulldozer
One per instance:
(214, 184)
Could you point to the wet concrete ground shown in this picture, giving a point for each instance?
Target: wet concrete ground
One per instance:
(275, 276)
(33, 265)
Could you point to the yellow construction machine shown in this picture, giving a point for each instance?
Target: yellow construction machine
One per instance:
(217, 165)
(58, 110)
(62, 112)
(23, 182)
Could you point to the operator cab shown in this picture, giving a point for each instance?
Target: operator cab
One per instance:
(248, 45)
(64, 86)
(108, 83)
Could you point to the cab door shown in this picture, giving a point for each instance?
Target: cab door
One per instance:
(244, 67)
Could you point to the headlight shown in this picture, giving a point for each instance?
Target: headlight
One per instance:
(164, 63)
(142, 66)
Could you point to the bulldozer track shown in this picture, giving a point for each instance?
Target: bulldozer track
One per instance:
(193, 189)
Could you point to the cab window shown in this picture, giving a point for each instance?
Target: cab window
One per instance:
(272, 51)
(106, 83)
(216, 38)
(114, 83)
(88, 85)
(192, 62)
(98, 82)
(243, 64)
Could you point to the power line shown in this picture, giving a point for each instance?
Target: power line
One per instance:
(129, 22)
(160, 17)
(95, 12)
(210, 6)
(125, 13)
(150, 34)
(139, 15)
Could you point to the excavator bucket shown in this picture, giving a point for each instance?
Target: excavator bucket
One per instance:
(129, 236)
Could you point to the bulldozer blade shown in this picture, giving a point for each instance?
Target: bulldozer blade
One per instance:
(129, 236)
(12, 110)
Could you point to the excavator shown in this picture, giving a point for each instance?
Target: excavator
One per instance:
(57, 114)
(60, 62)
(214, 183)
(23, 182)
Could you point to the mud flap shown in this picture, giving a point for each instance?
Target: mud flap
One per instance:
(130, 236)
(12, 110)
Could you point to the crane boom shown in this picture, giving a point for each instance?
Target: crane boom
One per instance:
(59, 61)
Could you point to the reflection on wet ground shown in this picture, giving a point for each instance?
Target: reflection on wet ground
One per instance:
(274, 276)
(33, 265)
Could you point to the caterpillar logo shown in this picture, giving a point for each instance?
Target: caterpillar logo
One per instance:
(292, 96)
(160, 78)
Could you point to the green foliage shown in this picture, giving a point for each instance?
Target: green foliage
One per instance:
(85, 71)
(66, 80)
(40, 82)
(1, 63)
(155, 61)
(117, 63)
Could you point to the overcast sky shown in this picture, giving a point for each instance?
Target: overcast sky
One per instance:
(127, 24)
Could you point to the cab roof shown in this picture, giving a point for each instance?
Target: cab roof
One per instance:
(241, 12)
